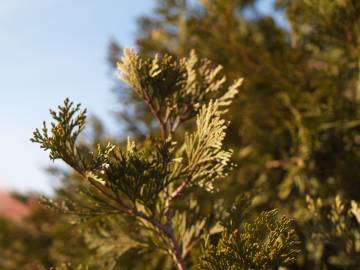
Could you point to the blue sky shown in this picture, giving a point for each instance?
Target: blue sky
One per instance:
(49, 50)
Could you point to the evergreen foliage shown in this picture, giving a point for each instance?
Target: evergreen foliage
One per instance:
(263, 243)
(140, 184)
(169, 197)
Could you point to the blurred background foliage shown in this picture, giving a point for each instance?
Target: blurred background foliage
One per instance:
(295, 127)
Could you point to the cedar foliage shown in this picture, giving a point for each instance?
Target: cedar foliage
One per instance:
(293, 132)
(140, 184)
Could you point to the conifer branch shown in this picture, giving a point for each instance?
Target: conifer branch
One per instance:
(143, 184)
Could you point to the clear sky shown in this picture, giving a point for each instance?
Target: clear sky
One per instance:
(49, 50)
